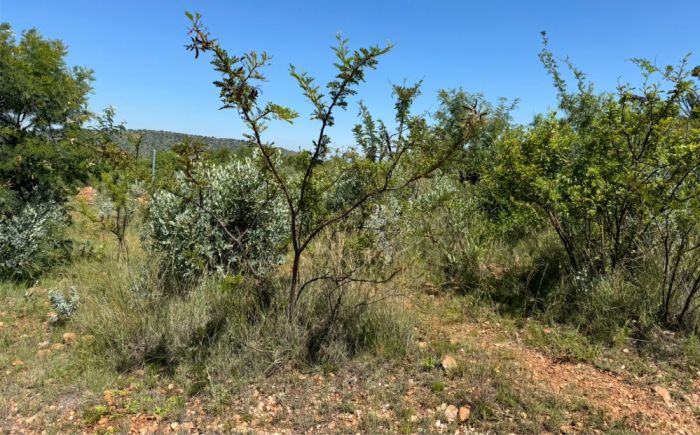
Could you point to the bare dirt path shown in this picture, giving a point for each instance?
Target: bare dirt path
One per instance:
(646, 407)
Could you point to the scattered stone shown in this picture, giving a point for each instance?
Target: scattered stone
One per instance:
(422, 345)
(451, 413)
(69, 337)
(449, 363)
(108, 397)
(2, 325)
(464, 413)
(174, 425)
(661, 391)
(52, 317)
(625, 350)
(17, 363)
(44, 344)
(57, 346)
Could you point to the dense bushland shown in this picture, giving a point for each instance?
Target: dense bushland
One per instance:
(615, 177)
(228, 265)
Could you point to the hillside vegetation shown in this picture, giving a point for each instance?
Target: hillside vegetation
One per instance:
(165, 140)
(453, 272)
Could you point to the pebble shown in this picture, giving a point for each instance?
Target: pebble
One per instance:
(464, 413)
(69, 337)
(451, 413)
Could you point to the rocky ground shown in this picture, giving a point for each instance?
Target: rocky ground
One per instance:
(469, 373)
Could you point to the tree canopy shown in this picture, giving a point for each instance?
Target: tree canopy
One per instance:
(43, 102)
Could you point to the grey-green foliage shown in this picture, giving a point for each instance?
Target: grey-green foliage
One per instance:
(223, 218)
(382, 227)
(64, 307)
(32, 241)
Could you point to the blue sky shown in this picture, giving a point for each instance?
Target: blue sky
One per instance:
(141, 67)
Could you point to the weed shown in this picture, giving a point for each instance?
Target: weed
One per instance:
(437, 386)
(93, 414)
(347, 407)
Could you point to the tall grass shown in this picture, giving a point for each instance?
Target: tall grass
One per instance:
(226, 329)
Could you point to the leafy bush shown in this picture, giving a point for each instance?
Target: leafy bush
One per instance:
(456, 242)
(32, 241)
(223, 218)
(614, 176)
(609, 168)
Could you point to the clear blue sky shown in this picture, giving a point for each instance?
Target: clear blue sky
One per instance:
(141, 67)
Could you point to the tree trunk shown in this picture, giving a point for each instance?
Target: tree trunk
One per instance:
(291, 303)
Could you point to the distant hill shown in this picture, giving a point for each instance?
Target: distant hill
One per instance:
(164, 140)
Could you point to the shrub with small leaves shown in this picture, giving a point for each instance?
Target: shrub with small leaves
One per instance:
(64, 307)
(222, 218)
(32, 241)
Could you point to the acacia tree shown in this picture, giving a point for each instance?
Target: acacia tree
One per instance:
(415, 152)
(43, 103)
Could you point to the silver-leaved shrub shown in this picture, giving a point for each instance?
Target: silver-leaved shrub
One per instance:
(64, 307)
(32, 240)
(221, 218)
